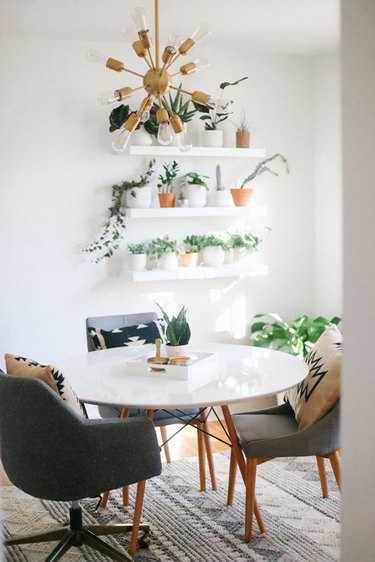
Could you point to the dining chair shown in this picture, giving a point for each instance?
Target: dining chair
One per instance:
(97, 325)
(307, 424)
(51, 452)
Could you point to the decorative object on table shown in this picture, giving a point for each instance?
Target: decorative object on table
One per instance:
(196, 189)
(214, 115)
(242, 245)
(297, 338)
(221, 197)
(192, 244)
(167, 196)
(157, 359)
(241, 196)
(110, 239)
(177, 333)
(242, 132)
(136, 258)
(157, 81)
(163, 253)
(213, 250)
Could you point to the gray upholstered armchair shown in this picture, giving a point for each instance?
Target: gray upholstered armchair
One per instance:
(50, 452)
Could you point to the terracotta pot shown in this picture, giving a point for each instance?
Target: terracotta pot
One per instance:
(167, 199)
(190, 259)
(241, 197)
(242, 139)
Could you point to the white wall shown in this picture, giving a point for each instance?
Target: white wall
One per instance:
(358, 78)
(57, 169)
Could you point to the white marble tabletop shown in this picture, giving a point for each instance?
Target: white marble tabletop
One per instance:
(236, 373)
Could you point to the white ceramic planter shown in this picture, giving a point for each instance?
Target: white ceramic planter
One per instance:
(196, 196)
(213, 256)
(136, 262)
(222, 198)
(168, 261)
(212, 138)
(138, 197)
(177, 350)
(141, 137)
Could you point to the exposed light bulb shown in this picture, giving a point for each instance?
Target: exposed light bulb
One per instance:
(190, 67)
(118, 95)
(201, 64)
(139, 17)
(174, 41)
(144, 110)
(200, 33)
(94, 55)
(121, 141)
(164, 134)
(184, 141)
(130, 34)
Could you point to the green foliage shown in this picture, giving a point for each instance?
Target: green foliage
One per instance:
(212, 240)
(178, 329)
(245, 240)
(193, 243)
(261, 168)
(180, 106)
(192, 178)
(157, 247)
(113, 229)
(297, 338)
(170, 172)
(242, 125)
(118, 116)
(139, 248)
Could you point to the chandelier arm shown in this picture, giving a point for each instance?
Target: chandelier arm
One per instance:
(132, 72)
(173, 60)
(181, 90)
(170, 110)
(157, 56)
(175, 74)
(152, 62)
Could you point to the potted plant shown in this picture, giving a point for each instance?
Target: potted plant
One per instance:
(215, 112)
(297, 338)
(177, 333)
(221, 196)
(167, 197)
(163, 252)
(113, 230)
(192, 244)
(213, 250)
(196, 189)
(241, 245)
(241, 196)
(136, 258)
(242, 132)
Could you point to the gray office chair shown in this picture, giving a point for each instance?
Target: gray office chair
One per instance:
(52, 453)
(273, 432)
(161, 418)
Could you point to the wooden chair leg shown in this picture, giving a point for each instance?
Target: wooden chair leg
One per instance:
(137, 516)
(105, 499)
(322, 475)
(208, 447)
(164, 437)
(232, 477)
(334, 459)
(125, 496)
(201, 459)
(251, 470)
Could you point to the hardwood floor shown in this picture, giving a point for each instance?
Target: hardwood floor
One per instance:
(184, 444)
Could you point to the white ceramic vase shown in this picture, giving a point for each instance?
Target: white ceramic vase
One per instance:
(136, 262)
(196, 196)
(138, 197)
(168, 261)
(177, 350)
(222, 198)
(141, 137)
(212, 138)
(213, 256)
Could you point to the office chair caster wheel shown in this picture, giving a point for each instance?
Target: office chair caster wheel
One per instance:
(144, 540)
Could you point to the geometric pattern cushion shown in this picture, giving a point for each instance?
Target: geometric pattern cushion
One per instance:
(127, 336)
(23, 367)
(312, 398)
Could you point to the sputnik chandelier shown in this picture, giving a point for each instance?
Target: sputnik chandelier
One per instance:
(157, 81)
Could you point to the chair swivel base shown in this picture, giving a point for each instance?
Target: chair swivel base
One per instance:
(76, 535)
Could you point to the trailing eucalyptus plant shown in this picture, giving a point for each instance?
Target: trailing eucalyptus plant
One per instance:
(262, 167)
(296, 338)
(113, 229)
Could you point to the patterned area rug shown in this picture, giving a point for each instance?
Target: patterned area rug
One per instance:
(190, 526)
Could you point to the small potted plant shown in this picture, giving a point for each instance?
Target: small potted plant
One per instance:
(213, 250)
(167, 197)
(242, 245)
(163, 253)
(242, 132)
(221, 196)
(214, 112)
(136, 258)
(196, 189)
(192, 245)
(177, 333)
(241, 196)
(138, 194)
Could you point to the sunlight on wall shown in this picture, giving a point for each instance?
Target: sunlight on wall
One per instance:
(166, 300)
(233, 319)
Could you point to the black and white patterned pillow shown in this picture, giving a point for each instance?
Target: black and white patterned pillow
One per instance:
(66, 391)
(127, 336)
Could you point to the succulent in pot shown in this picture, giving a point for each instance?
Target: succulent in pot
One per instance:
(242, 132)
(192, 245)
(213, 250)
(162, 252)
(136, 258)
(177, 333)
(241, 245)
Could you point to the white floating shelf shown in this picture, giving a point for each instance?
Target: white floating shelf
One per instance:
(175, 212)
(205, 151)
(201, 272)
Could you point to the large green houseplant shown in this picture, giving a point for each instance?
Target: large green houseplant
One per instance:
(297, 338)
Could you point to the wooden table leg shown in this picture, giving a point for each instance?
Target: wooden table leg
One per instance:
(207, 442)
(241, 461)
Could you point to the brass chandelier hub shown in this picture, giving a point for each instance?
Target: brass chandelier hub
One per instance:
(157, 82)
